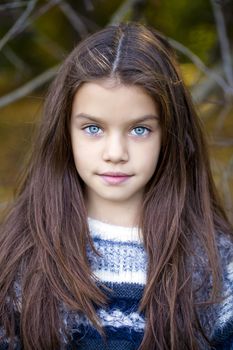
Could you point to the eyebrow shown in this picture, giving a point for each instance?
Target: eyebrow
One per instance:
(133, 120)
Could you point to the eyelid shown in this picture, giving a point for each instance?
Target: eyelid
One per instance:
(142, 126)
(90, 124)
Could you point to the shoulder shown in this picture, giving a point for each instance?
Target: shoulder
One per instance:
(4, 341)
(223, 333)
(225, 249)
(216, 318)
(223, 337)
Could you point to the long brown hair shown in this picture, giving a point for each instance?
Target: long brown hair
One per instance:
(44, 237)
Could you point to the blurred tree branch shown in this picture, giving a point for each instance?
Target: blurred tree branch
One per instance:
(77, 23)
(200, 65)
(74, 19)
(223, 41)
(13, 5)
(14, 59)
(122, 10)
(214, 76)
(25, 20)
(18, 24)
(226, 63)
(28, 87)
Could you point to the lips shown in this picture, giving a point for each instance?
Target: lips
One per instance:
(115, 174)
(115, 178)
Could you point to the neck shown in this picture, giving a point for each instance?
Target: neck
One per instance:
(115, 213)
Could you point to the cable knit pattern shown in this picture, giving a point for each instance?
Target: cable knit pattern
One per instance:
(118, 251)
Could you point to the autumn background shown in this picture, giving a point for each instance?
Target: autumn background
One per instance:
(36, 35)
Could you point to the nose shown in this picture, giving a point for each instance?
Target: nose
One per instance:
(115, 149)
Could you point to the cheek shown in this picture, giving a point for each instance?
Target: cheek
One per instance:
(147, 156)
(84, 154)
(78, 153)
(150, 166)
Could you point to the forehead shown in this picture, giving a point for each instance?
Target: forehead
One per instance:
(112, 100)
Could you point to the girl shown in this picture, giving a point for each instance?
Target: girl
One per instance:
(117, 239)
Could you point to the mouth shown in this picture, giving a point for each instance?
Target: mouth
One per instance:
(115, 178)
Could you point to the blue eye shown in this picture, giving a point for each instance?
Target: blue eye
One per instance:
(92, 130)
(141, 131)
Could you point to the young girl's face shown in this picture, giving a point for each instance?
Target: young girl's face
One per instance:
(116, 137)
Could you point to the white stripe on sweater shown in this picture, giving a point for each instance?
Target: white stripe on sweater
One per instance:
(114, 318)
(138, 277)
(226, 309)
(117, 318)
(114, 233)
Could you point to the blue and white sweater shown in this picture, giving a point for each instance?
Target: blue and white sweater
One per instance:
(122, 266)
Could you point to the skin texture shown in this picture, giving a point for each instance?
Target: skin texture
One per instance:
(114, 139)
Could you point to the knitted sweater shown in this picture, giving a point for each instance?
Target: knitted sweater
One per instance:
(122, 266)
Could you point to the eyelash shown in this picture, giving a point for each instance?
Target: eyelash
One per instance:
(136, 127)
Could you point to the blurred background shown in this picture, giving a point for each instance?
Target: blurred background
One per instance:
(36, 35)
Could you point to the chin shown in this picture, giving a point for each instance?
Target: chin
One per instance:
(115, 197)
